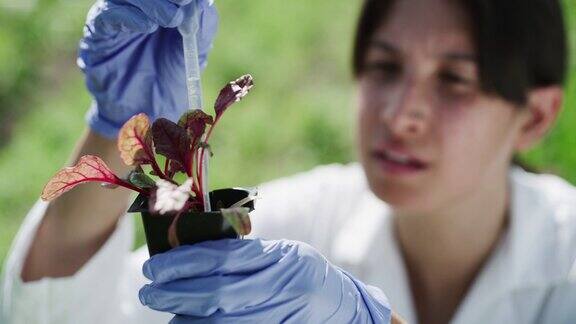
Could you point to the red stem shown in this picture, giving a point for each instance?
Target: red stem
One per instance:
(201, 155)
(195, 187)
(190, 166)
(157, 170)
(128, 185)
(200, 188)
(153, 162)
(199, 191)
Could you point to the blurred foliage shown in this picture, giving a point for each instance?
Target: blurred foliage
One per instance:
(299, 114)
(32, 42)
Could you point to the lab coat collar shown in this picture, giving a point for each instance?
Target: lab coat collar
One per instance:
(509, 287)
(367, 247)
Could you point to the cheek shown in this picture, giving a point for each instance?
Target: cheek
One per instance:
(367, 116)
(460, 147)
(474, 145)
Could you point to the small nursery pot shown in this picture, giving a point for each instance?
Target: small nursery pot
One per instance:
(192, 227)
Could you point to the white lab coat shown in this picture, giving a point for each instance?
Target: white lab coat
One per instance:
(530, 277)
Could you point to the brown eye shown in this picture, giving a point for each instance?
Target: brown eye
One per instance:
(454, 84)
(452, 78)
(383, 70)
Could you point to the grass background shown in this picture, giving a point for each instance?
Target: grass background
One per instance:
(299, 115)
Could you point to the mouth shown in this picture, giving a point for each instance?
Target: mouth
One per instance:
(398, 163)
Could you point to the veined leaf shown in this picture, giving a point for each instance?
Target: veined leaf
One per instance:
(88, 169)
(239, 218)
(233, 92)
(135, 142)
(171, 140)
(195, 121)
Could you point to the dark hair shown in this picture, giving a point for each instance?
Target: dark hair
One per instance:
(521, 44)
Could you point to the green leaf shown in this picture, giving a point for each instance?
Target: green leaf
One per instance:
(140, 179)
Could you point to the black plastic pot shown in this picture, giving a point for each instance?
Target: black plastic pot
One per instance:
(192, 227)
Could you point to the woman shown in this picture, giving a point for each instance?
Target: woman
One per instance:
(435, 215)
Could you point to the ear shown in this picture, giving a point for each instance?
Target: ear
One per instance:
(539, 115)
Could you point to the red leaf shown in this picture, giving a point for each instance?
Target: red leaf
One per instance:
(89, 169)
(195, 121)
(233, 92)
(135, 142)
(171, 140)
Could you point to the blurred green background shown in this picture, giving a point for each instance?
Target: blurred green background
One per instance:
(299, 115)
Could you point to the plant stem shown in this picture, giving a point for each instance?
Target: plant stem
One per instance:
(128, 185)
(186, 166)
(201, 171)
(195, 183)
(199, 176)
(190, 167)
(157, 170)
(202, 149)
(153, 162)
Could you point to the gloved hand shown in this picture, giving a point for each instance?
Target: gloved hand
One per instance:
(131, 54)
(255, 281)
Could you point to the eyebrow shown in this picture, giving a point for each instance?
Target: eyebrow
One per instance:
(386, 46)
(461, 57)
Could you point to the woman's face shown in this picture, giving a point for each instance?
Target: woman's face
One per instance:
(419, 97)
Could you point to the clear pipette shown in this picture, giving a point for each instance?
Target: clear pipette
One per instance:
(189, 30)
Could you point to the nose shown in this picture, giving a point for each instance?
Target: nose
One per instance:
(406, 113)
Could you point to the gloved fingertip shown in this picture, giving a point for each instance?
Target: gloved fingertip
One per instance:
(142, 295)
(147, 270)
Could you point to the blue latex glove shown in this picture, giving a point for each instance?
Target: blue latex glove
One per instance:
(255, 281)
(131, 54)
